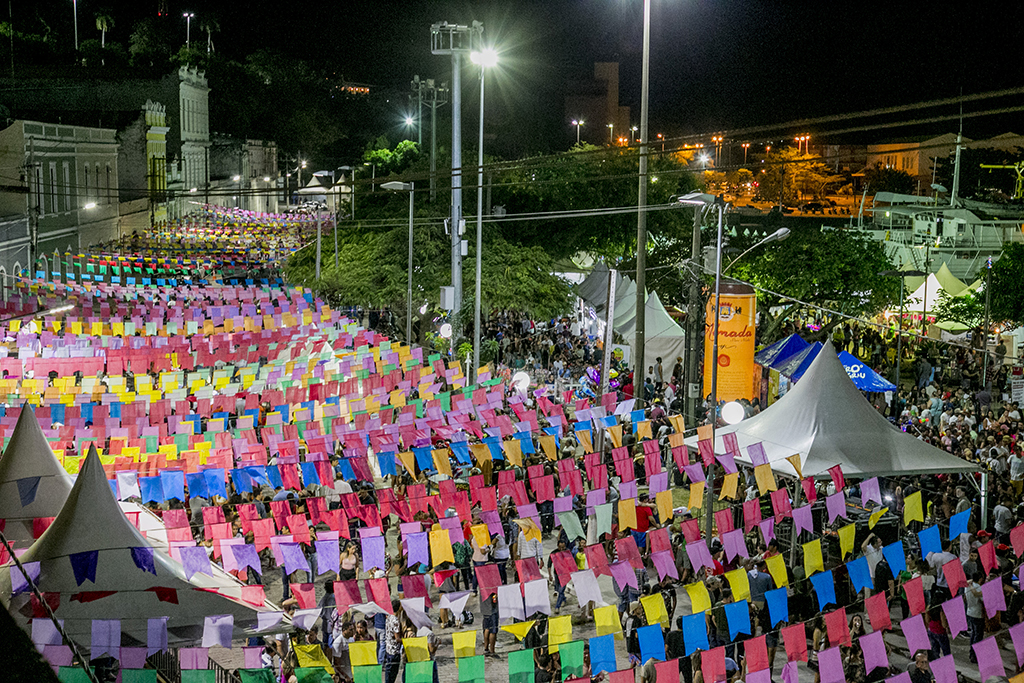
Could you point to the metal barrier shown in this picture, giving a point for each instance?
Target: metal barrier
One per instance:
(168, 667)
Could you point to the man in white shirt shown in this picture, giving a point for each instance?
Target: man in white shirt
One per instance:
(935, 561)
(1002, 519)
(1016, 463)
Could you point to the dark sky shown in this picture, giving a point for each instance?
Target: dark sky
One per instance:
(715, 64)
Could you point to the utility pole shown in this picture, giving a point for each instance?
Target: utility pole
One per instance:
(438, 95)
(984, 332)
(641, 216)
(694, 324)
(609, 337)
(418, 87)
(455, 41)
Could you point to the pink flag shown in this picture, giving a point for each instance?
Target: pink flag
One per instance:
(956, 616)
(802, 518)
(993, 597)
(830, 665)
(1017, 635)
(990, 660)
(873, 646)
(835, 505)
(869, 491)
(915, 633)
(944, 669)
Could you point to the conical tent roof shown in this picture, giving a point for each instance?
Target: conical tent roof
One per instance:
(953, 285)
(28, 456)
(796, 365)
(828, 422)
(92, 521)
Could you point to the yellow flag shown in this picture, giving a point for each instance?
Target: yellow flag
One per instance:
(846, 535)
(677, 423)
(794, 460)
(480, 452)
(765, 478)
(465, 642)
(584, 437)
(875, 516)
(441, 547)
(481, 535)
(547, 443)
(912, 510)
(416, 649)
(627, 513)
(654, 609)
(441, 461)
(700, 600)
(739, 582)
(529, 528)
(696, 494)
(607, 621)
(408, 461)
(813, 561)
(664, 502)
(615, 432)
(520, 629)
(643, 430)
(559, 631)
(729, 486)
(514, 451)
(362, 652)
(777, 568)
(313, 656)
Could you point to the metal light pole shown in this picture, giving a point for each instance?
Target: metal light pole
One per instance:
(577, 123)
(188, 28)
(611, 133)
(902, 275)
(410, 188)
(984, 339)
(75, 3)
(709, 493)
(318, 236)
(485, 58)
(641, 213)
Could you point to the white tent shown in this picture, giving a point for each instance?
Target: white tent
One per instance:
(91, 520)
(28, 456)
(663, 338)
(828, 422)
(926, 296)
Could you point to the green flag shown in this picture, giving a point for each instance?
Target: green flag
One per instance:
(571, 655)
(471, 669)
(520, 666)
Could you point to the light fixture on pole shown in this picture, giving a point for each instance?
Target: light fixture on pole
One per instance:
(745, 146)
(75, 3)
(902, 275)
(577, 123)
(611, 133)
(777, 236)
(410, 188)
(484, 59)
(639, 338)
(188, 27)
(634, 129)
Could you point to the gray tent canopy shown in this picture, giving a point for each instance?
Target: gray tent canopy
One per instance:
(92, 521)
(29, 460)
(828, 422)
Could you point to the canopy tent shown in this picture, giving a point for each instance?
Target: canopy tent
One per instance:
(780, 350)
(953, 285)
(796, 365)
(92, 521)
(663, 338)
(594, 288)
(912, 282)
(33, 483)
(864, 378)
(917, 301)
(828, 422)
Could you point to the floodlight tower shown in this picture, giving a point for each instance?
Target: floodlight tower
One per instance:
(457, 41)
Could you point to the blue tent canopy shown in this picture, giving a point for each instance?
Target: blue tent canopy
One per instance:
(864, 378)
(780, 350)
(796, 365)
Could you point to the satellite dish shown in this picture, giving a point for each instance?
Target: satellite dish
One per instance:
(938, 188)
(521, 382)
(446, 331)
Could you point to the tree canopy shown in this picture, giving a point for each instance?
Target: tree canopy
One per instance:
(1007, 301)
(797, 176)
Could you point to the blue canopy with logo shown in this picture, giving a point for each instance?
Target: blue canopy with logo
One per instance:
(864, 378)
(780, 350)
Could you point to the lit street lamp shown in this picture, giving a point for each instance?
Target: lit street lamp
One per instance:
(410, 188)
(484, 58)
(611, 134)
(634, 129)
(745, 146)
(577, 123)
(188, 27)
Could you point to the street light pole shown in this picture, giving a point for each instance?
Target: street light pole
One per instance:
(484, 58)
(577, 123)
(710, 488)
(188, 27)
(75, 3)
(410, 188)
(902, 275)
(641, 213)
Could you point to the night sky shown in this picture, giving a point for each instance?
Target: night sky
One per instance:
(715, 65)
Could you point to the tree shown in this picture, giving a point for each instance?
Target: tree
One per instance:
(209, 23)
(793, 175)
(388, 161)
(967, 310)
(104, 22)
(889, 180)
(824, 268)
(150, 44)
(1007, 300)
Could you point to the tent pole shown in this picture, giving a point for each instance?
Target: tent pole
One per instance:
(984, 500)
(82, 661)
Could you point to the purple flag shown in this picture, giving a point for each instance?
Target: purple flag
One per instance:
(194, 559)
(19, 584)
(657, 483)
(790, 673)
(836, 506)
(694, 472)
(993, 597)
(956, 616)
(624, 575)
(328, 556)
(217, 630)
(916, 634)
(106, 638)
(830, 665)
(156, 635)
(419, 548)
(873, 647)
(990, 660)
(143, 559)
(1017, 635)
(194, 658)
(802, 519)
(699, 554)
(627, 489)
(734, 544)
(84, 566)
(294, 558)
(373, 552)
(246, 557)
(944, 669)
(767, 527)
(757, 454)
(665, 564)
(728, 462)
(869, 491)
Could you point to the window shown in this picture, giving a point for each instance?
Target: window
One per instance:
(67, 186)
(85, 185)
(109, 198)
(99, 181)
(53, 187)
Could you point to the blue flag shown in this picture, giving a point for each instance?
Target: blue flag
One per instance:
(27, 489)
(860, 575)
(931, 542)
(652, 642)
(778, 605)
(602, 654)
(896, 557)
(84, 565)
(695, 633)
(737, 615)
(824, 588)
